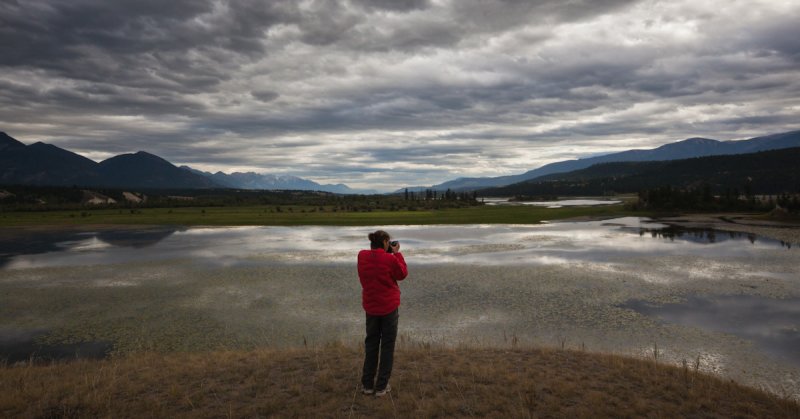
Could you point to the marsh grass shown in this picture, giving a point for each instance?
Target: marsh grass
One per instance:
(256, 215)
(428, 381)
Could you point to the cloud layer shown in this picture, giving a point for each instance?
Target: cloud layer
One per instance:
(382, 94)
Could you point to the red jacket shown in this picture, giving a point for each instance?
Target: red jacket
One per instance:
(379, 272)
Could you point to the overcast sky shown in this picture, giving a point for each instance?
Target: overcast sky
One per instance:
(384, 94)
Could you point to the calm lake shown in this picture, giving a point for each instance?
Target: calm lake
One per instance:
(625, 285)
(552, 204)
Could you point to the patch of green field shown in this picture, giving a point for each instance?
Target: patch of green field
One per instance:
(299, 215)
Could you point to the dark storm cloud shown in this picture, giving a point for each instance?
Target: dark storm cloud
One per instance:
(393, 5)
(16, 93)
(466, 20)
(182, 44)
(760, 120)
(46, 31)
(424, 153)
(265, 95)
(432, 89)
(502, 14)
(782, 37)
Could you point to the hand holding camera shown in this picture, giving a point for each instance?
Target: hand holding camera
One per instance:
(394, 247)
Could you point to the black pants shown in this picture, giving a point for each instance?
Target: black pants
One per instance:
(381, 335)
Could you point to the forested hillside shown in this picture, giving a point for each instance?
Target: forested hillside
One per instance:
(770, 172)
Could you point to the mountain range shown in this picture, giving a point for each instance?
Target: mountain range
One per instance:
(45, 164)
(769, 172)
(251, 180)
(689, 148)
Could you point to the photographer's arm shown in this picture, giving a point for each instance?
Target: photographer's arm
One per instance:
(399, 268)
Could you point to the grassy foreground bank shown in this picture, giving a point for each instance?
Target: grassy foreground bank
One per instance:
(323, 382)
(304, 215)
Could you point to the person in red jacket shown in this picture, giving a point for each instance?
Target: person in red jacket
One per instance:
(379, 269)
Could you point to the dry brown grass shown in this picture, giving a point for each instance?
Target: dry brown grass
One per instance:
(323, 382)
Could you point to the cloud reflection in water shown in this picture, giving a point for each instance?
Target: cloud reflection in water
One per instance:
(610, 241)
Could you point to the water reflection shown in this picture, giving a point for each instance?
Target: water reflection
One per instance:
(18, 244)
(25, 346)
(704, 235)
(552, 204)
(136, 239)
(15, 244)
(773, 324)
(245, 287)
(488, 245)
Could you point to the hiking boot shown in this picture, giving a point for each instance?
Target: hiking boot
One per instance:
(381, 393)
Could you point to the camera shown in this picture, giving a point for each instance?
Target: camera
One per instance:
(391, 245)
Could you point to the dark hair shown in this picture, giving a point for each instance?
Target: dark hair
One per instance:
(377, 238)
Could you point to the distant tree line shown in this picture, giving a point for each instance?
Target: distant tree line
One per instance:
(42, 198)
(448, 195)
(773, 172)
(669, 198)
